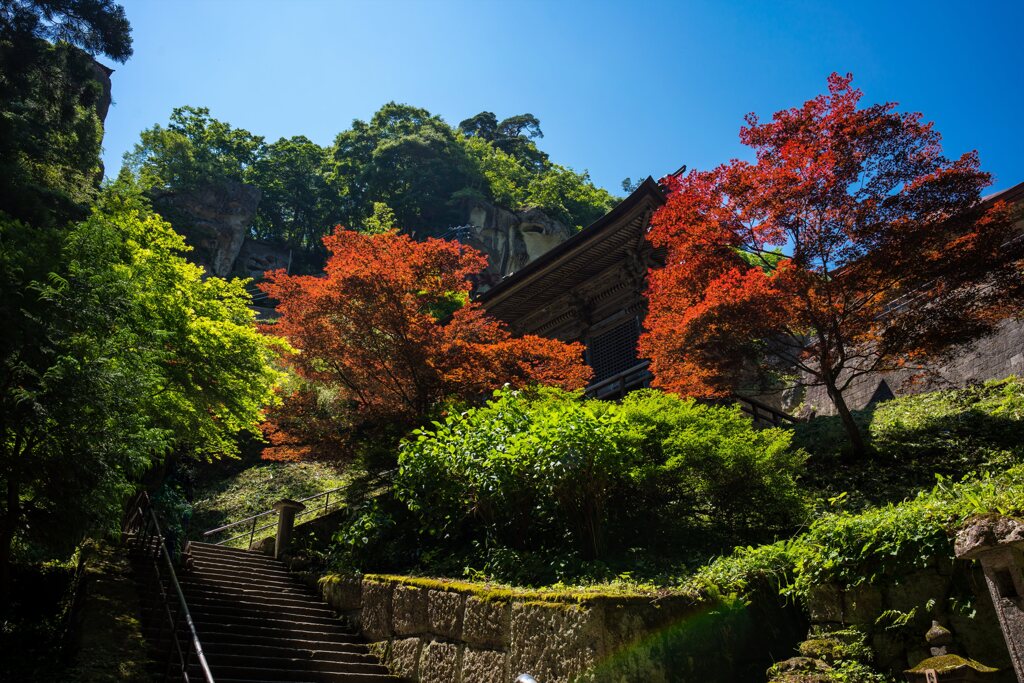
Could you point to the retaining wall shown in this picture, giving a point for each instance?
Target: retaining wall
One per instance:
(446, 632)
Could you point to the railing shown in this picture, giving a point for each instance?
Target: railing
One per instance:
(618, 384)
(311, 511)
(762, 412)
(145, 531)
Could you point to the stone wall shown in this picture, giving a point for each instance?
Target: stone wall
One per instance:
(443, 632)
(897, 611)
(995, 357)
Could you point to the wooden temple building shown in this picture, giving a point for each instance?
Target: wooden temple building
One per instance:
(589, 289)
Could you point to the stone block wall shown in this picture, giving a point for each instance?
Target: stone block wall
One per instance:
(994, 357)
(445, 632)
(897, 611)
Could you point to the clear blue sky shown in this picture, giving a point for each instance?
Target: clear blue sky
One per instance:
(621, 88)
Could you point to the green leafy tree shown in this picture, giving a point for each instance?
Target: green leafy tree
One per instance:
(50, 133)
(569, 196)
(529, 471)
(407, 158)
(514, 136)
(299, 206)
(128, 354)
(194, 150)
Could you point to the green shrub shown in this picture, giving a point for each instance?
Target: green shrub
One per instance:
(548, 469)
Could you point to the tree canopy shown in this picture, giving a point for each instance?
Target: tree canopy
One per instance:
(50, 132)
(404, 159)
(888, 256)
(125, 353)
(388, 335)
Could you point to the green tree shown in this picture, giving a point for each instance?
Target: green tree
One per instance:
(569, 196)
(299, 206)
(194, 150)
(50, 133)
(514, 136)
(407, 158)
(127, 354)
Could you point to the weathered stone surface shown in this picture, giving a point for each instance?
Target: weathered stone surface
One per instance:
(486, 623)
(375, 620)
(915, 590)
(862, 604)
(343, 593)
(485, 666)
(441, 663)
(444, 613)
(557, 643)
(511, 239)
(825, 603)
(256, 257)
(409, 612)
(800, 670)
(214, 219)
(986, 533)
(404, 658)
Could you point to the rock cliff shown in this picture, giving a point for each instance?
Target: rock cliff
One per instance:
(214, 219)
(510, 239)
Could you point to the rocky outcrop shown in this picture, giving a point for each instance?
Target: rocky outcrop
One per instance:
(214, 219)
(510, 239)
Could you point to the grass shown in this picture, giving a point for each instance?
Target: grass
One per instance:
(257, 488)
(951, 433)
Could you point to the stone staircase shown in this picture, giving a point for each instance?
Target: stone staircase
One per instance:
(257, 623)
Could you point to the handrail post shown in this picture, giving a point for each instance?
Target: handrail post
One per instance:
(327, 500)
(286, 509)
(252, 533)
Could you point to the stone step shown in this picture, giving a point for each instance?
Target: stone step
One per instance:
(214, 603)
(244, 614)
(228, 583)
(285, 630)
(227, 673)
(203, 564)
(298, 598)
(252, 559)
(256, 623)
(221, 660)
(309, 651)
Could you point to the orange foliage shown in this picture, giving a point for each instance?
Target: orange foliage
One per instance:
(388, 334)
(868, 214)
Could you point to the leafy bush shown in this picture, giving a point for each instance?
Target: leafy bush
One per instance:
(531, 471)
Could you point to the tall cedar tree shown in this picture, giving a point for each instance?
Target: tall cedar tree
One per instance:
(890, 256)
(387, 335)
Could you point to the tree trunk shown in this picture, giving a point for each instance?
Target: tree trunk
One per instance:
(860, 449)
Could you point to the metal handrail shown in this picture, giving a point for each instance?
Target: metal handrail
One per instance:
(144, 537)
(317, 510)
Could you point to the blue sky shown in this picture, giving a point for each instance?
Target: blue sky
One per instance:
(621, 88)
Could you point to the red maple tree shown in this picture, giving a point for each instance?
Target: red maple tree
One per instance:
(388, 334)
(850, 246)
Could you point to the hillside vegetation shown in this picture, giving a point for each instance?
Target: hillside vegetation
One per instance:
(404, 168)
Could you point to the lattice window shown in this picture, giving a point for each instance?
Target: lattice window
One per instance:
(614, 351)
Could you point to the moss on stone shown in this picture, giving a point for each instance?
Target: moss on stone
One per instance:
(503, 593)
(948, 663)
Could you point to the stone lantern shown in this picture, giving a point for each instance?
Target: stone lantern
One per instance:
(945, 666)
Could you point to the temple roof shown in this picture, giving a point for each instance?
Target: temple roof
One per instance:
(591, 251)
